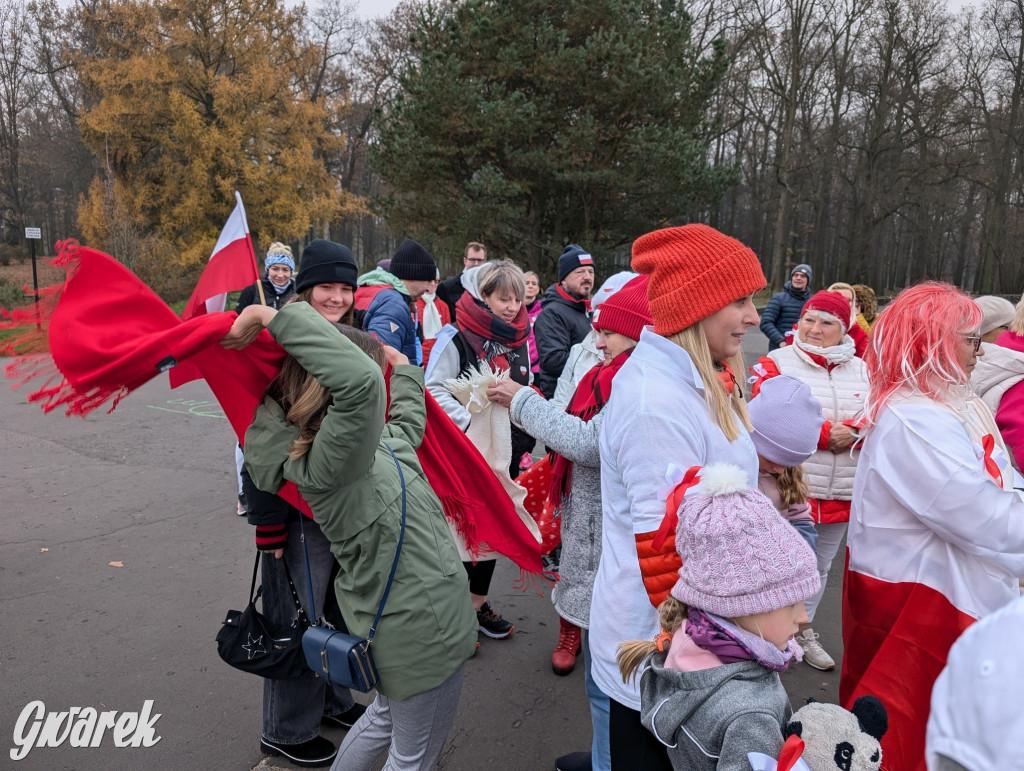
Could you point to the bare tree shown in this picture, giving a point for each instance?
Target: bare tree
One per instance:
(19, 88)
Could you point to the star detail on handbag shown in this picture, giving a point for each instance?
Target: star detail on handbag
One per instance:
(254, 647)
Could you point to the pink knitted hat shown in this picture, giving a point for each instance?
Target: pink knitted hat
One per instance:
(739, 555)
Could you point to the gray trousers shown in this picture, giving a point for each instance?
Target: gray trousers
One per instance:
(412, 730)
(829, 538)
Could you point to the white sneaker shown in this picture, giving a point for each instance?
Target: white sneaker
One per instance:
(814, 654)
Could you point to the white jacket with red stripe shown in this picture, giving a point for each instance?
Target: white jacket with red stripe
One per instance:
(934, 544)
(925, 510)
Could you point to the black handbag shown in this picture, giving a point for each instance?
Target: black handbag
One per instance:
(344, 658)
(249, 642)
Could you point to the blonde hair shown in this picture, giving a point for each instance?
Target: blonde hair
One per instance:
(1017, 325)
(278, 248)
(791, 486)
(304, 400)
(501, 275)
(724, 409)
(842, 285)
(632, 654)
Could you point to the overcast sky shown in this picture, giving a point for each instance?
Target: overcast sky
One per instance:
(370, 9)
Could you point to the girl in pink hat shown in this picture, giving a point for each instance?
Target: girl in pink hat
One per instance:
(711, 693)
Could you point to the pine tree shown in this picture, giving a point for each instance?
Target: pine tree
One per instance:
(528, 124)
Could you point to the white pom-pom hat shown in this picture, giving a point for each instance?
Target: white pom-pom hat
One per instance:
(740, 556)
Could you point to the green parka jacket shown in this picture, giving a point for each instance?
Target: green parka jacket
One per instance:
(350, 481)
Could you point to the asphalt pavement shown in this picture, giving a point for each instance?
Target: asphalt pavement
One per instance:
(120, 553)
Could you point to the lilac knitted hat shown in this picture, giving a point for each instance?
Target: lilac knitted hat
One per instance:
(739, 555)
(787, 421)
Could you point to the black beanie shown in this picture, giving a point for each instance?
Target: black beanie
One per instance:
(325, 262)
(413, 262)
(573, 256)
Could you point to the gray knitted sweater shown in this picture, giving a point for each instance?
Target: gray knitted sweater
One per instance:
(711, 719)
(575, 439)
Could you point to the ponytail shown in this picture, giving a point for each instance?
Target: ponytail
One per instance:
(791, 486)
(632, 654)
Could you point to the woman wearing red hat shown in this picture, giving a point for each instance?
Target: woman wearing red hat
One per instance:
(572, 434)
(823, 355)
(675, 407)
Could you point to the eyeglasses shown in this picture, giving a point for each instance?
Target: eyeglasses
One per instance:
(974, 340)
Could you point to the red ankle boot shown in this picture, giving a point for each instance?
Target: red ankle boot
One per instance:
(563, 659)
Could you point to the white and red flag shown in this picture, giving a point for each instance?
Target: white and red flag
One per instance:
(935, 542)
(232, 266)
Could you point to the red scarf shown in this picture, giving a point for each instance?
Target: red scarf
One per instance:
(572, 298)
(99, 357)
(590, 396)
(490, 337)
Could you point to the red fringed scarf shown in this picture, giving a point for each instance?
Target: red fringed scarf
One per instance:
(488, 335)
(109, 334)
(590, 396)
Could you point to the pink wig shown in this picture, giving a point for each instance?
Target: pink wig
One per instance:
(914, 344)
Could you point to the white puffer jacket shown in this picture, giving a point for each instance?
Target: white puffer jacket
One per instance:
(999, 370)
(842, 392)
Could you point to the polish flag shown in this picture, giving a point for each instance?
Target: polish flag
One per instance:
(232, 266)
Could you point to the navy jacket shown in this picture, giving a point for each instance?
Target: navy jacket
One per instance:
(781, 313)
(389, 320)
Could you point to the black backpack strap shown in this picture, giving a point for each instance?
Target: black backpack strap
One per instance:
(467, 357)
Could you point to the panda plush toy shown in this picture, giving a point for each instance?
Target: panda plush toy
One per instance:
(837, 740)
(825, 737)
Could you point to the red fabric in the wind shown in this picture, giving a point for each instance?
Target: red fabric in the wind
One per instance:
(110, 333)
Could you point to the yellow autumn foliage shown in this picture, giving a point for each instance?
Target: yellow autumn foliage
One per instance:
(193, 100)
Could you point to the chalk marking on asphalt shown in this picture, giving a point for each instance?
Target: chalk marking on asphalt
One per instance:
(197, 408)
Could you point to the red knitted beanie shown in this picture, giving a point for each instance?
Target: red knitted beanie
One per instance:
(626, 311)
(694, 271)
(830, 302)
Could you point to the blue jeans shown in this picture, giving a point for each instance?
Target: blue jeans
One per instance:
(292, 708)
(600, 749)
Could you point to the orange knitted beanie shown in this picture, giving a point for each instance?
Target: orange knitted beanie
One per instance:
(694, 271)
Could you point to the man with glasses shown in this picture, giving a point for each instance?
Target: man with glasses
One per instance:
(450, 290)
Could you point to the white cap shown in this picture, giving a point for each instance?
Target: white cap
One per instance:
(611, 285)
(996, 312)
(977, 716)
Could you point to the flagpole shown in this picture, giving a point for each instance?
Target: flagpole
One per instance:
(252, 250)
